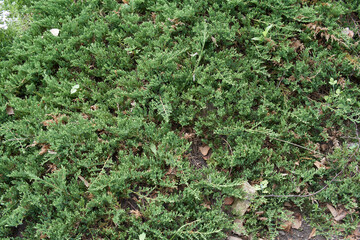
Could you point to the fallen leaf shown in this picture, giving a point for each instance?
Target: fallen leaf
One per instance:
(287, 226)
(357, 232)
(297, 223)
(189, 135)
(47, 122)
(55, 32)
(86, 183)
(348, 32)
(228, 200)
(74, 88)
(136, 213)
(33, 144)
(204, 150)
(214, 41)
(44, 149)
(142, 236)
(319, 165)
(206, 205)
(313, 233)
(341, 215)
(52, 152)
(207, 157)
(9, 110)
(332, 210)
(94, 107)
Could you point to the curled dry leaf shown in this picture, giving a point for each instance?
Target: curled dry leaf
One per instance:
(206, 205)
(86, 183)
(341, 215)
(189, 135)
(204, 150)
(47, 122)
(214, 41)
(287, 226)
(44, 149)
(348, 32)
(9, 110)
(94, 107)
(319, 165)
(52, 152)
(33, 144)
(332, 210)
(136, 213)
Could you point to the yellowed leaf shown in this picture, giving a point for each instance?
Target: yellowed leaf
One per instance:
(204, 150)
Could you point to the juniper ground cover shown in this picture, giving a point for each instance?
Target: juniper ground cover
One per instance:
(137, 119)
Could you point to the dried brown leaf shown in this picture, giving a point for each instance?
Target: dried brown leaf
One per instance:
(52, 152)
(341, 215)
(9, 110)
(348, 32)
(319, 165)
(228, 200)
(313, 233)
(297, 223)
(214, 41)
(44, 149)
(136, 213)
(86, 183)
(33, 144)
(204, 150)
(356, 232)
(47, 122)
(287, 226)
(206, 205)
(332, 210)
(94, 107)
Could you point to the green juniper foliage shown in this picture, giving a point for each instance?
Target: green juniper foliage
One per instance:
(95, 147)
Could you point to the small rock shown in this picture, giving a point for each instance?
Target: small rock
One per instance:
(239, 227)
(240, 206)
